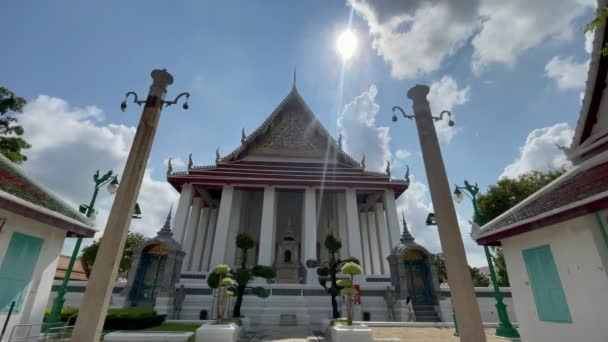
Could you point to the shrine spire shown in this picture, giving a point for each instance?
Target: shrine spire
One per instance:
(293, 86)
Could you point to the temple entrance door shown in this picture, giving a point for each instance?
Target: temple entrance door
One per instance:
(420, 287)
(145, 284)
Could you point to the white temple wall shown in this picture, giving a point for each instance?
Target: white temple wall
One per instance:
(233, 228)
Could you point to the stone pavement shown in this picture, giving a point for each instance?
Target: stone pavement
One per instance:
(283, 334)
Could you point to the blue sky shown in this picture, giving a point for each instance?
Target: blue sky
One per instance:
(504, 71)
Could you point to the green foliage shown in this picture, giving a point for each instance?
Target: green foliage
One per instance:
(244, 242)
(118, 319)
(348, 291)
(502, 277)
(260, 292)
(265, 272)
(341, 322)
(508, 192)
(235, 320)
(11, 134)
(134, 241)
(442, 276)
(351, 268)
(213, 280)
(504, 195)
(243, 276)
(323, 271)
(600, 16)
(226, 282)
(332, 243)
(344, 283)
(221, 269)
(66, 313)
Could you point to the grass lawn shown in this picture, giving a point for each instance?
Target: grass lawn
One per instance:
(177, 327)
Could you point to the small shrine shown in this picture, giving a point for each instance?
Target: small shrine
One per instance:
(288, 261)
(155, 269)
(413, 276)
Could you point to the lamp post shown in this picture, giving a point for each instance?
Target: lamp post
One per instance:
(461, 285)
(505, 328)
(94, 305)
(111, 180)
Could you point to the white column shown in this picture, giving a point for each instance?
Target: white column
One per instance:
(182, 212)
(367, 264)
(190, 234)
(385, 247)
(221, 229)
(309, 233)
(374, 247)
(394, 231)
(199, 242)
(233, 230)
(205, 265)
(268, 227)
(352, 217)
(342, 224)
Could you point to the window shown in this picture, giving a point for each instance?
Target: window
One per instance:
(546, 285)
(17, 268)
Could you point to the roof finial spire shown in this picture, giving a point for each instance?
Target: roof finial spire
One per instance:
(294, 78)
(405, 235)
(167, 227)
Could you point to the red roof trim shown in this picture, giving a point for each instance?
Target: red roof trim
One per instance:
(587, 208)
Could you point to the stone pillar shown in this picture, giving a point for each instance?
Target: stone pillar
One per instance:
(352, 217)
(233, 231)
(205, 264)
(221, 229)
(199, 240)
(367, 264)
(309, 233)
(452, 246)
(385, 247)
(394, 230)
(182, 212)
(342, 224)
(268, 227)
(374, 246)
(191, 231)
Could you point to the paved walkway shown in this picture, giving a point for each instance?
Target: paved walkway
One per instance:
(283, 334)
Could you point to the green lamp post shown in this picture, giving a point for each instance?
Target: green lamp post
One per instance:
(505, 328)
(111, 180)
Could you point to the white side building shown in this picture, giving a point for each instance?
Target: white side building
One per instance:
(556, 241)
(33, 225)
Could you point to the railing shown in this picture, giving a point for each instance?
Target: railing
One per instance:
(39, 332)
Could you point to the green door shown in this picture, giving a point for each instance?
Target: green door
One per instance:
(420, 287)
(17, 268)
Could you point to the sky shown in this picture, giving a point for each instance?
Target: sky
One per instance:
(511, 72)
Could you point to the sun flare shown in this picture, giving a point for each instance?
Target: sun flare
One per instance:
(347, 44)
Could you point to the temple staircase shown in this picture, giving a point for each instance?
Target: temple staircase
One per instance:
(426, 313)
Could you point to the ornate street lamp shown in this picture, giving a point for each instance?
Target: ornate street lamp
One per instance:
(505, 328)
(89, 211)
(461, 285)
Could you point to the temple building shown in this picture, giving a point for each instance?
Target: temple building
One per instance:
(287, 185)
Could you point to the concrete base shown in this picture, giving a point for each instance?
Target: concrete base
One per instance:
(218, 333)
(353, 333)
(144, 336)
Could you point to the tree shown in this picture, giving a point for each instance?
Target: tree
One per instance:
(220, 280)
(243, 275)
(442, 276)
(330, 269)
(11, 134)
(134, 241)
(352, 269)
(504, 195)
(600, 16)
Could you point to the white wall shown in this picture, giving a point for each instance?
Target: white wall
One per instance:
(39, 288)
(580, 255)
(486, 301)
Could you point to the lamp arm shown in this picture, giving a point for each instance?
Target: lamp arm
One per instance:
(135, 99)
(169, 103)
(440, 117)
(397, 108)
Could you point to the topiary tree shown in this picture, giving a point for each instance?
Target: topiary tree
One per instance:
(330, 269)
(219, 279)
(352, 269)
(243, 275)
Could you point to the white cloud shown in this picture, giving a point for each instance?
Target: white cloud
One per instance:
(69, 144)
(402, 154)
(540, 152)
(416, 37)
(589, 36)
(567, 73)
(361, 135)
(445, 95)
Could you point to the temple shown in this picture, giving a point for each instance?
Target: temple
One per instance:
(288, 183)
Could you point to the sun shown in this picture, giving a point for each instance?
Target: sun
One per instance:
(347, 44)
